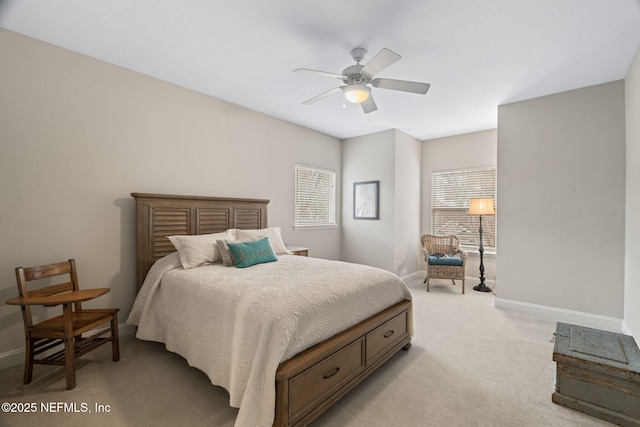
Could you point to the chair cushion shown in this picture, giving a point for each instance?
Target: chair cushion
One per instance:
(444, 260)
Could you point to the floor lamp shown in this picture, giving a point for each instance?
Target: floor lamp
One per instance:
(481, 207)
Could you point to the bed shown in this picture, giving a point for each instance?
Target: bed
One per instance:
(286, 339)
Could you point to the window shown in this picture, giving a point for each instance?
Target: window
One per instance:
(450, 194)
(315, 197)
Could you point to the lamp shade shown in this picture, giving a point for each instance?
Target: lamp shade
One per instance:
(481, 207)
(357, 93)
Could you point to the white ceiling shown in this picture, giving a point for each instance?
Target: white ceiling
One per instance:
(477, 54)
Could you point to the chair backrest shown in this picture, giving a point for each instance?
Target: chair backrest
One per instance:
(25, 275)
(440, 244)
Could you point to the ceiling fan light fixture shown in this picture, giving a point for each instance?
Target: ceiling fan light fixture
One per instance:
(357, 93)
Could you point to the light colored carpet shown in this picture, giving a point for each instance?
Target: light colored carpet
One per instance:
(471, 364)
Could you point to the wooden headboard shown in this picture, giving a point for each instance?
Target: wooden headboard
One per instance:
(162, 215)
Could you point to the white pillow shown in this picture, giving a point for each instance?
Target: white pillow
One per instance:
(200, 249)
(225, 253)
(273, 233)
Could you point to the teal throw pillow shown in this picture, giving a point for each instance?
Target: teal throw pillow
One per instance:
(247, 254)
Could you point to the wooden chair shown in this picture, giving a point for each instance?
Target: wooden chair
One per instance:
(444, 258)
(68, 328)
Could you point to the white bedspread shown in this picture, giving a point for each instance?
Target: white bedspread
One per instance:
(237, 325)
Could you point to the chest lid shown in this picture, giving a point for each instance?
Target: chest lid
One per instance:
(597, 346)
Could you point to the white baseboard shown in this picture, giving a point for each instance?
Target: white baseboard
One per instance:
(11, 358)
(125, 329)
(625, 330)
(413, 276)
(589, 320)
(16, 357)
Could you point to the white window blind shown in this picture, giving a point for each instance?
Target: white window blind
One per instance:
(315, 197)
(450, 194)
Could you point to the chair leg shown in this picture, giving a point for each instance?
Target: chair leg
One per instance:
(69, 346)
(427, 280)
(28, 361)
(463, 286)
(70, 362)
(115, 344)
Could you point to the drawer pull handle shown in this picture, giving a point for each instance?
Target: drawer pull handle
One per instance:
(332, 373)
(388, 334)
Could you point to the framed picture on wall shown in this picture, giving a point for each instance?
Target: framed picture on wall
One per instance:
(365, 200)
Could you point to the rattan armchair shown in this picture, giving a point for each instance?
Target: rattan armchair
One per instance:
(444, 258)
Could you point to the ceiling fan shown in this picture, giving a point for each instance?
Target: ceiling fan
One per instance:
(359, 77)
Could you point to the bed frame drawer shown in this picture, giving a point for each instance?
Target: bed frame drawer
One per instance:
(323, 378)
(303, 393)
(385, 336)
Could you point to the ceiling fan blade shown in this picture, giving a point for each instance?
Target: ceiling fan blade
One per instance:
(369, 105)
(323, 95)
(402, 85)
(382, 60)
(321, 73)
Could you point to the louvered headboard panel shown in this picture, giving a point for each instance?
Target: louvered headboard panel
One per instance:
(162, 215)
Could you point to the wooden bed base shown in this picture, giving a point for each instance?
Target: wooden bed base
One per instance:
(313, 380)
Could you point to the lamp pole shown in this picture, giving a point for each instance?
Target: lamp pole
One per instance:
(481, 286)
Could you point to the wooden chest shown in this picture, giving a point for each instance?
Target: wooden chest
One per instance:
(598, 373)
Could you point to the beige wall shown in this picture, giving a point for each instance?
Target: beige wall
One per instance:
(78, 135)
(561, 187)
(632, 255)
(408, 166)
(393, 158)
(369, 241)
(470, 150)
